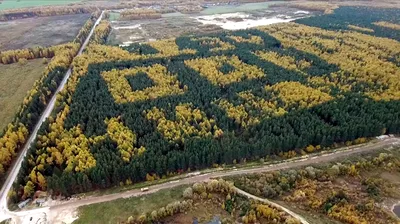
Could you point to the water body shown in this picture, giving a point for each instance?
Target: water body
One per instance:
(396, 210)
(234, 17)
(237, 8)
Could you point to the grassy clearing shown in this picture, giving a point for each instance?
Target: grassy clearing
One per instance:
(205, 211)
(14, 4)
(114, 16)
(119, 210)
(15, 81)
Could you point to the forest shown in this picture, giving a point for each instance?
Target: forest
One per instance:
(370, 18)
(153, 110)
(17, 132)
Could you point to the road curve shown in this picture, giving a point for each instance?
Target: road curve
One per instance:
(72, 205)
(4, 212)
(295, 215)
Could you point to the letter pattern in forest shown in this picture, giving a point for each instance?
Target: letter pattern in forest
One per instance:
(189, 122)
(214, 43)
(165, 84)
(165, 107)
(223, 70)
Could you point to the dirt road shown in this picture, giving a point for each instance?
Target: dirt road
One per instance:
(298, 217)
(73, 205)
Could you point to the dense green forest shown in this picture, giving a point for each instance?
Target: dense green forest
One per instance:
(157, 109)
(358, 16)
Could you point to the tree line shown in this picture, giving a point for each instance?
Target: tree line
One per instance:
(101, 32)
(13, 56)
(135, 14)
(12, 14)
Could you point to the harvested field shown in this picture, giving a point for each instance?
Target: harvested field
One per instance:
(29, 3)
(43, 31)
(15, 81)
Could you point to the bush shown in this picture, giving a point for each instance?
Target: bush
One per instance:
(22, 61)
(199, 188)
(188, 193)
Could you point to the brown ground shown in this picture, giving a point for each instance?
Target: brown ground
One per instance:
(204, 212)
(357, 194)
(163, 28)
(41, 31)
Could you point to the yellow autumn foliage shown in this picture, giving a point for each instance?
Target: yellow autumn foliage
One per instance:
(190, 122)
(209, 68)
(297, 95)
(360, 57)
(165, 84)
(124, 137)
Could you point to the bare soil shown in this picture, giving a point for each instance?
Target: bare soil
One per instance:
(356, 193)
(40, 31)
(156, 29)
(204, 211)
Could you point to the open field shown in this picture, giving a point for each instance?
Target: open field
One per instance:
(15, 81)
(212, 19)
(41, 31)
(215, 200)
(120, 209)
(14, 4)
(126, 32)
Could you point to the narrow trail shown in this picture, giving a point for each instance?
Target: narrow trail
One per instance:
(293, 214)
(5, 213)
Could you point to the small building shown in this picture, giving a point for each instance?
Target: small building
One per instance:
(40, 201)
(24, 203)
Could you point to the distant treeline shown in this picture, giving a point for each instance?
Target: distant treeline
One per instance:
(13, 56)
(12, 14)
(134, 14)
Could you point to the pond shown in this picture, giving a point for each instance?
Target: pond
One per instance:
(234, 17)
(237, 8)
